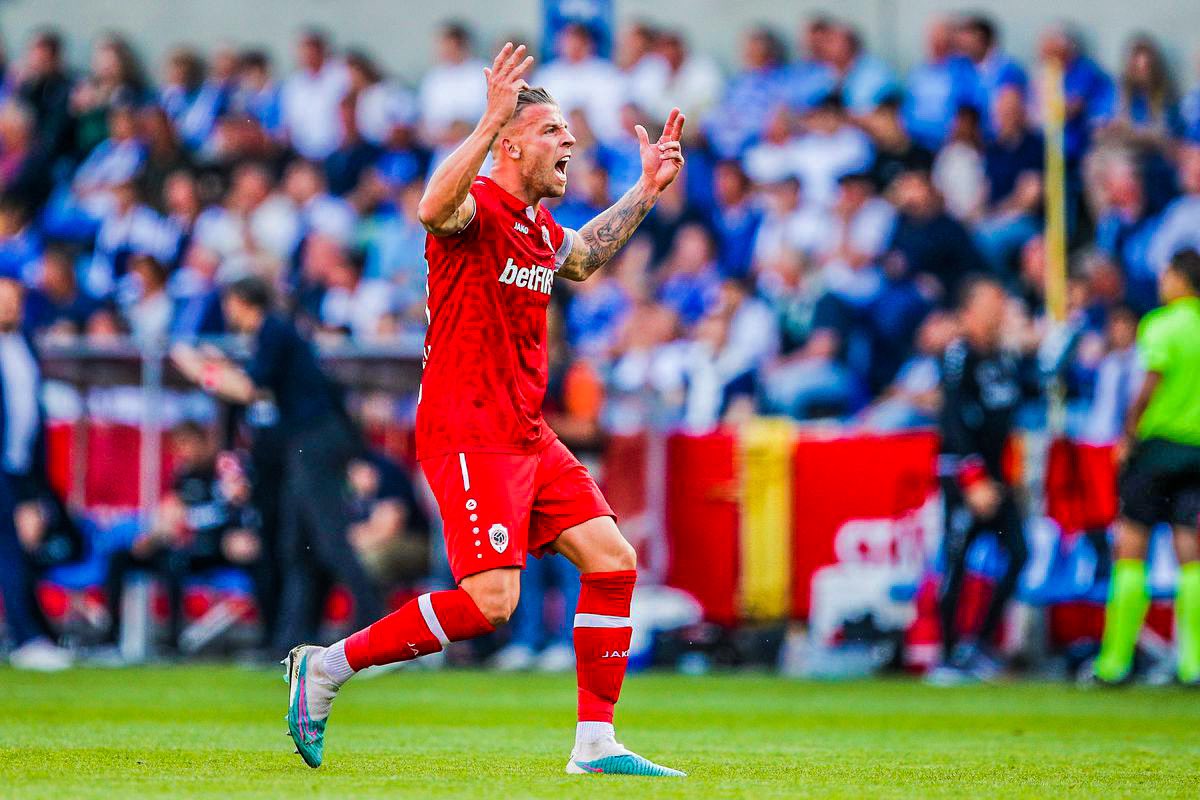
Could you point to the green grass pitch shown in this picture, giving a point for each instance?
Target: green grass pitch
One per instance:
(203, 731)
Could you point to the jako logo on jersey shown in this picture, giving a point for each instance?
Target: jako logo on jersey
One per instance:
(539, 279)
(615, 654)
(521, 228)
(498, 536)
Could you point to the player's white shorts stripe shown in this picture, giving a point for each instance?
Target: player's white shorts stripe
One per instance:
(435, 627)
(600, 621)
(462, 463)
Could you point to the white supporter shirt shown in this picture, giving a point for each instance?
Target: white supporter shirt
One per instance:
(1178, 229)
(452, 93)
(593, 86)
(819, 160)
(360, 310)
(309, 109)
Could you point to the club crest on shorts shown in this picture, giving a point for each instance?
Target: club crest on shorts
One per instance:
(498, 536)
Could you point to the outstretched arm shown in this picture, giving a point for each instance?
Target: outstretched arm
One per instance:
(599, 240)
(447, 205)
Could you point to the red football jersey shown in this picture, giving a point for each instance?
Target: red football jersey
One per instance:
(485, 350)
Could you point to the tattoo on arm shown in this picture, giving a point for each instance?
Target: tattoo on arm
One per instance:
(600, 239)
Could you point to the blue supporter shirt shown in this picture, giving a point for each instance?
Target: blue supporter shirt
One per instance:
(996, 72)
(1086, 83)
(739, 118)
(935, 93)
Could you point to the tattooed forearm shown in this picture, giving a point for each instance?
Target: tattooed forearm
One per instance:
(600, 239)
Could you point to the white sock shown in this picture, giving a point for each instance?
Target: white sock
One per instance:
(587, 733)
(336, 666)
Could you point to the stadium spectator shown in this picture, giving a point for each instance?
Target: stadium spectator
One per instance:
(310, 96)
(1089, 91)
(690, 276)
(117, 158)
(191, 101)
(149, 311)
(691, 80)
(830, 148)
(750, 95)
(389, 530)
(735, 219)
(256, 95)
(20, 245)
(57, 305)
(1146, 111)
(254, 230)
(196, 295)
(578, 78)
(939, 86)
(1179, 226)
(895, 151)
(46, 89)
(116, 79)
(1125, 228)
(24, 169)
(21, 434)
(959, 167)
(352, 302)
(1118, 378)
(860, 77)
(451, 90)
(1012, 162)
(354, 155)
(164, 156)
(379, 105)
(977, 39)
(205, 522)
(853, 237)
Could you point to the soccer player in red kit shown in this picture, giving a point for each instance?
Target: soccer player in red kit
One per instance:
(505, 485)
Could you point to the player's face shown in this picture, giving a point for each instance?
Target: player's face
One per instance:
(545, 147)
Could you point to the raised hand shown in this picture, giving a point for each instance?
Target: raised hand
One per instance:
(504, 82)
(662, 161)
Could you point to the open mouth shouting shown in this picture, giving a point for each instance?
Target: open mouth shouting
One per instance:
(560, 167)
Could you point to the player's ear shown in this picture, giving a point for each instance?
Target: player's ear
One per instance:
(510, 148)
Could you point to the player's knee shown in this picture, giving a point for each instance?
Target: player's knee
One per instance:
(624, 556)
(496, 603)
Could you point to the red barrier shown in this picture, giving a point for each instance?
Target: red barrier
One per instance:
(1081, 486)
(702, 522)
(839, 480)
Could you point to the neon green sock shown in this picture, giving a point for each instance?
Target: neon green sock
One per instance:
(1187, 622)
(1128, 599)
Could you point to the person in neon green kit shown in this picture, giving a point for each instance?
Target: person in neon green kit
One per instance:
(1160, 480)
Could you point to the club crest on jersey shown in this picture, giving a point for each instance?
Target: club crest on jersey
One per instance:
(498, 536)
(546, 237)
(535, 278)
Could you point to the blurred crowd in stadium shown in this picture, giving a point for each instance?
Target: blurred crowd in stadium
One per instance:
(807, 265)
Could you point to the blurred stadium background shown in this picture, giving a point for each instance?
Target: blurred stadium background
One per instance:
(754, 379)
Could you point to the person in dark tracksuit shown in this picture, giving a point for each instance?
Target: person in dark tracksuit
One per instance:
(320, 440)
(981, 389)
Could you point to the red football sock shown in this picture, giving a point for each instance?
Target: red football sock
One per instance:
(602, 634)
(421, 626)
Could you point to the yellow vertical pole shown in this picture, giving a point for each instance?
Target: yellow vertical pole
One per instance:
(1054, 114)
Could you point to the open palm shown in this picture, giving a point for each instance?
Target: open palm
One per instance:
(662, 161)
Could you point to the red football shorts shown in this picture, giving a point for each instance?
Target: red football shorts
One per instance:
(496, 507)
